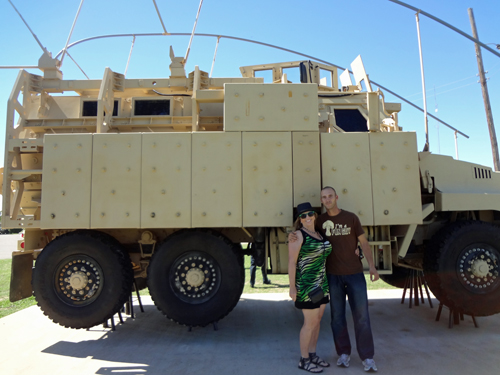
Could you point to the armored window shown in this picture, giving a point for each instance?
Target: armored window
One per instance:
(151, 107)
(350, 120)
(266, 74)
(89, 108)
(326, 78)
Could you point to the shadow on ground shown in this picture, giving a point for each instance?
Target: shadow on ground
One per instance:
(258, 337)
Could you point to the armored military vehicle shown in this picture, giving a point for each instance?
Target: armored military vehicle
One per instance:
(160, 181)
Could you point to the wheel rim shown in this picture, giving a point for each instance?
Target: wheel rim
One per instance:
(479, 268)
(78, 280)
(195, 277)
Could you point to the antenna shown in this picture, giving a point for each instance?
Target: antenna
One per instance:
(215, 55)
(192, 34)
(31, 31)
(69, 36)
(159, 16)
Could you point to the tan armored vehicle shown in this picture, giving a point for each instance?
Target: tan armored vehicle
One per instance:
(159, 181)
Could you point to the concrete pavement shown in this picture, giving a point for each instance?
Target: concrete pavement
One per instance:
(8, 244)
(259, 337)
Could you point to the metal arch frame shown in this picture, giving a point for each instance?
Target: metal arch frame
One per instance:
(265, 45)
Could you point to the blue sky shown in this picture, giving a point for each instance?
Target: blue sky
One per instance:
(382, 32)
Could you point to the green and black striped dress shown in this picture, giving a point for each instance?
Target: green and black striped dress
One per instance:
(311, 271)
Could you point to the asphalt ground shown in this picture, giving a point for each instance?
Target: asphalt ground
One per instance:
(260, 336)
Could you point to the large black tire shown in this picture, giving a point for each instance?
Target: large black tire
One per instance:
(196, 277)
(82, 278)
(462, 266)
(398, 276)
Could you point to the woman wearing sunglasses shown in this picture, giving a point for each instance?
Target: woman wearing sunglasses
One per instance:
(308, 283)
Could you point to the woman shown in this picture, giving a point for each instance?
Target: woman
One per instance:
(307, 274)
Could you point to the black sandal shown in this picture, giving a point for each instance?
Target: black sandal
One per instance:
(319, 361)
(307, 365)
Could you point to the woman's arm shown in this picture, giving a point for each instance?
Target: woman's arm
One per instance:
(293, 255)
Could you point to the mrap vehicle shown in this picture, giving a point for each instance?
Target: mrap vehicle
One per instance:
(160, 181)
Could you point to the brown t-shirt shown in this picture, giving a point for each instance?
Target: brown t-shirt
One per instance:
(342, 231)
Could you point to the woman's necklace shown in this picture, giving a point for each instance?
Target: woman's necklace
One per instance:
(314, 234)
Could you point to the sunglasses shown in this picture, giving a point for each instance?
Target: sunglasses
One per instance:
(304, 215)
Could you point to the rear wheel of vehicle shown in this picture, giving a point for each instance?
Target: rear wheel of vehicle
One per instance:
(82, 278)
(196, 277)
(398, 276)
(462, 267)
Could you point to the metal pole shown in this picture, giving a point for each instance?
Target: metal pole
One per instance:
(70, 33)
(159, 16)
(426, 147)
(456, 146)
(215, 54)
(29, 28)
(486, 97)
(129, 56)
(192, 34)
(79, 67)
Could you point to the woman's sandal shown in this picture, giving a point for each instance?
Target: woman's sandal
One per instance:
(307, 365)
(319, 361)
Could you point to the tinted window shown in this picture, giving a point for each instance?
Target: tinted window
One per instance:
(350, 120)
(90, 108)
(152, 108)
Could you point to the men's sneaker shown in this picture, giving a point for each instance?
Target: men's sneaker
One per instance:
(370, 365)
(343, 360)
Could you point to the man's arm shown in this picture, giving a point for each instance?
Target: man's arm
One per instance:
(367, 251)
(292, 236)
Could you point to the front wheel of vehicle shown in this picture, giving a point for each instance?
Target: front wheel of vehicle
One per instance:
(462, 267)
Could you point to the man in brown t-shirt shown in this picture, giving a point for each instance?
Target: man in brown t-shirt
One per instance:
(346, 279)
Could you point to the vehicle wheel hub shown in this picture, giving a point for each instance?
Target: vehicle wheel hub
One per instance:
(196, 277)
(479, 269)
(78, 280)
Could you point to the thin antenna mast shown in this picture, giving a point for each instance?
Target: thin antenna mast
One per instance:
(70, 33)
(215, 55)
(79, 67)
(426, 147)
(192, 34)
(161, 20)
(129, 56)
(29, 28)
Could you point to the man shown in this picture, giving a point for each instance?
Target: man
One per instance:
(253, 269)
(346, 279)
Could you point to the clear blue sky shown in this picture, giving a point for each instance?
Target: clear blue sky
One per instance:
(382, 32)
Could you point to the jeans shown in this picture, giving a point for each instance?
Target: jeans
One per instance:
(354, 287)
(253, 268)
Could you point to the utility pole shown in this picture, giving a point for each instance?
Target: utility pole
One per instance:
(486, 97)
